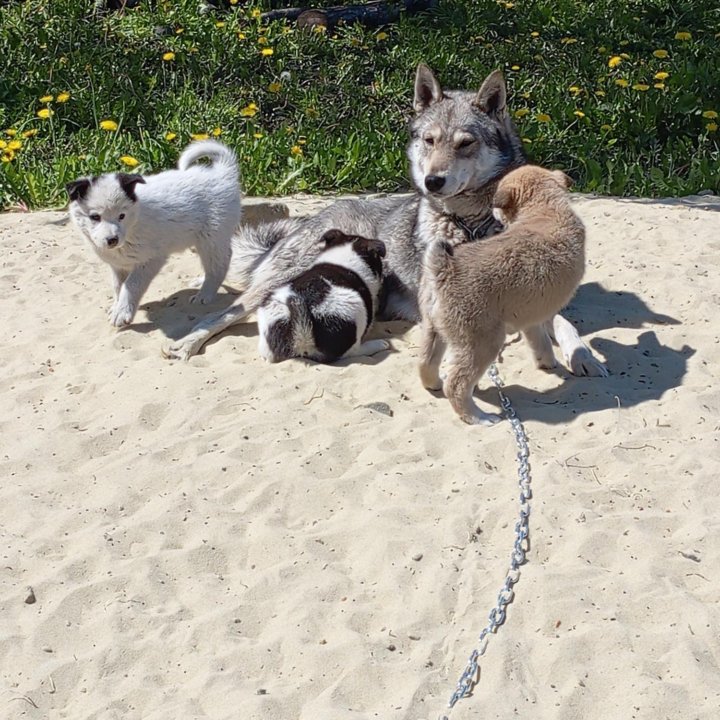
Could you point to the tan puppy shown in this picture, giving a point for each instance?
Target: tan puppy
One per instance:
(472, 295)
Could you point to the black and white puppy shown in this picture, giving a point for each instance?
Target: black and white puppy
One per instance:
(324, 313)
(134, 223)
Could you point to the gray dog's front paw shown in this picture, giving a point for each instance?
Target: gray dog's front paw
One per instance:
(584, 364)
(121, 314)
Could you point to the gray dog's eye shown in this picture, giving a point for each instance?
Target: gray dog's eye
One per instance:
(466, 142)
(429, 141)
(95, 217)
(121, 216)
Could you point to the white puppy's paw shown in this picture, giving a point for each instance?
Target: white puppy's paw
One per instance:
(121, 314)
(584, 364)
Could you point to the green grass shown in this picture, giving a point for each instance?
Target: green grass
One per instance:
(328, 112)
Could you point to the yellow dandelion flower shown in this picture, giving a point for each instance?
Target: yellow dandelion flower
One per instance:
(129, 160)
(7, 156)
(319, 29)
(515, 67)
(659, 86)
(579, 113)
(63, 97)
(522, 112)
(574, 89)
(250, 111)
(568, 40)
(241, 36)
(600, 93)
(47, 98)
(606, 128)
(642, 87)
(661, 76)
(11, 132)
(296, 150)
(624, 56)
(711, 127)
(622, 83)
(534, 34)
(255, 13)
(199, 136)
(109, 125)
(219, 24)
(30, 133)
(614, 61)
(168, 56)
(257, 136)
(602, 49)
(682, 35)
(3, 144)
(274, 87)
(509, 5)
(14, 145)
(217, 132)
(660, 54)
(543, 118)
(381, 36)
(179, 31)
(262, 40)
(267, 51)
(233, 2)
(45, 113)
(170, 136)
(710, 115)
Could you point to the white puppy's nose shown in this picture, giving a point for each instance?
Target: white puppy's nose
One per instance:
(112, 241)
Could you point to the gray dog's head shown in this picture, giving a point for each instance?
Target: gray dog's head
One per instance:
(460, 141)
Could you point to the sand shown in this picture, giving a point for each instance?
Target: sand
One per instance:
(227, 539)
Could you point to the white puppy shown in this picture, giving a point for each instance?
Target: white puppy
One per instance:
(134, 223)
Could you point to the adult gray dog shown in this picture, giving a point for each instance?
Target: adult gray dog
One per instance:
(462, 144)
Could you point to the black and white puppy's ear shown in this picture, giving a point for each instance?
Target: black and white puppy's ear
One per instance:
(77, 189)
(128, 183)
(492, 96)
(427, 88)
(334, 237)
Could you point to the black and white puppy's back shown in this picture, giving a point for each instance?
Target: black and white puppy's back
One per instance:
(324, 313)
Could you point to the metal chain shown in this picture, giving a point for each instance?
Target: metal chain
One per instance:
(497, 615)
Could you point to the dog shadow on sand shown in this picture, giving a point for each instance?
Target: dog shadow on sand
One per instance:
(640, 372)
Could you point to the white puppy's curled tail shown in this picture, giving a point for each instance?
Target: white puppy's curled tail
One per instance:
(439, 258)
(218, 153)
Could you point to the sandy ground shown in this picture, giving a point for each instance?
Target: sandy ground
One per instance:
(227, 539)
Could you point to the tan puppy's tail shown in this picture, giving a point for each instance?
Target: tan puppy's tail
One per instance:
(439, 258)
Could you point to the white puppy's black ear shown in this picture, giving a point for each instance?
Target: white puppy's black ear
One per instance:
(427, 88)
(128, 183)
(77, 189)
(492, 96)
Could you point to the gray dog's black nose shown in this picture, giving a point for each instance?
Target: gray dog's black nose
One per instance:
(434, 182)
(112, 242)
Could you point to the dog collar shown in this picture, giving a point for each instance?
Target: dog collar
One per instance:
(479, 231)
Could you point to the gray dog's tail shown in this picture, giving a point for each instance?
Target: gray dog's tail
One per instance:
(439, 257)
(218, 153)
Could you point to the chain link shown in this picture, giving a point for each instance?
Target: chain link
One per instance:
(517, 558)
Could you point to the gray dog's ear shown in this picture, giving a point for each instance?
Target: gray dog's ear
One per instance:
(427, 88)
(492, 96)
(77, 189)
(128, 183)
